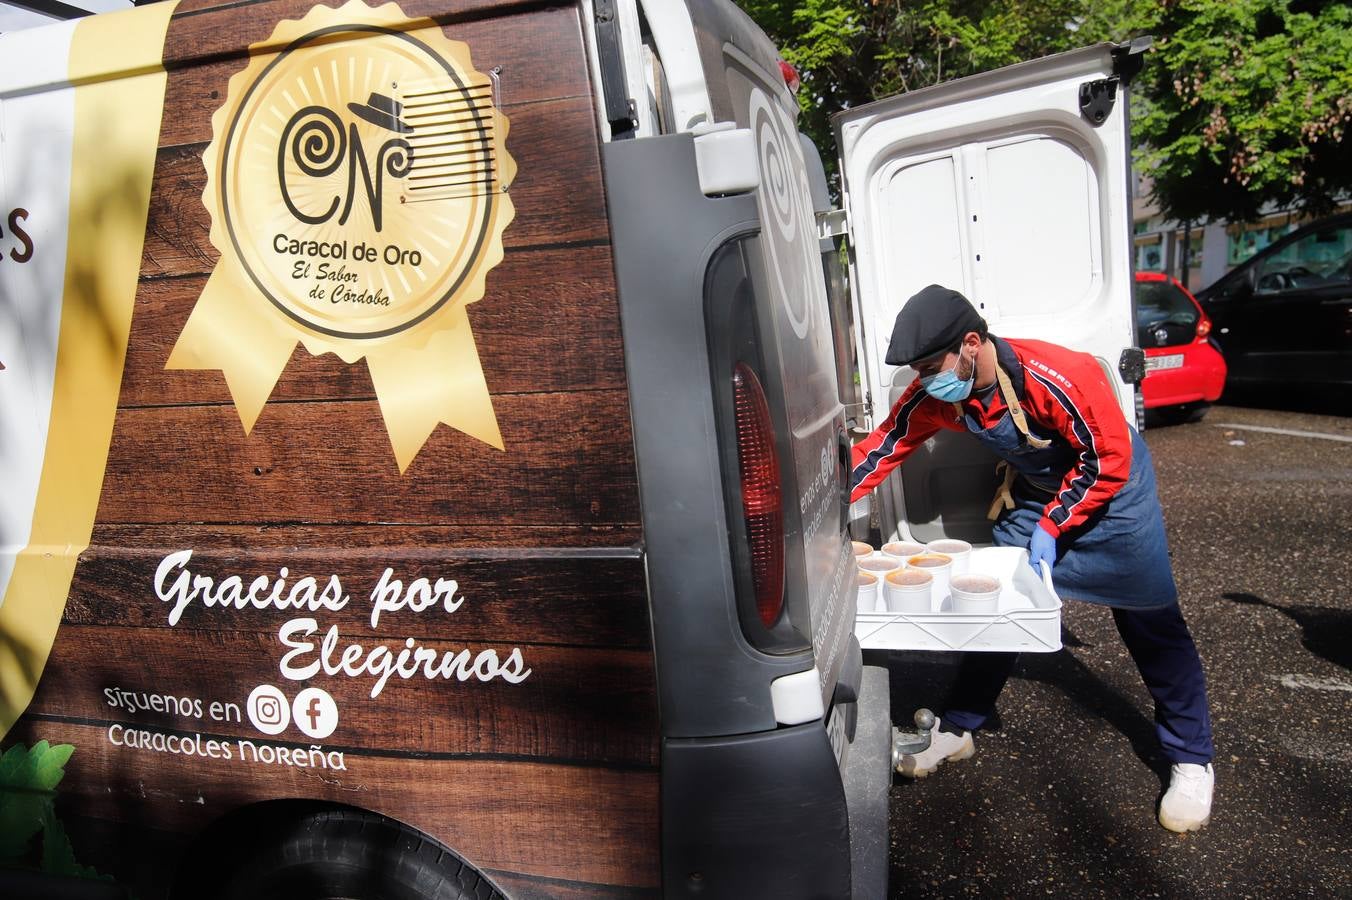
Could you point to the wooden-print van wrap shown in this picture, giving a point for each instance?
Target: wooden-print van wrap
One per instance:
(380, 556)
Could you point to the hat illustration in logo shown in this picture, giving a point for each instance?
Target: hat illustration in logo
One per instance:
(383, 111)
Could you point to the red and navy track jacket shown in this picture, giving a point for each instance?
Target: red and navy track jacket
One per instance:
(1063, 394)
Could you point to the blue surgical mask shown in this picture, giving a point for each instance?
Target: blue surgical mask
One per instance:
(947, 386)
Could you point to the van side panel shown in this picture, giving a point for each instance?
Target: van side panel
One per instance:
(537, 762)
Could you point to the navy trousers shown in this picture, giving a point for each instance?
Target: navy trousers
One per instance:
(1162, 648)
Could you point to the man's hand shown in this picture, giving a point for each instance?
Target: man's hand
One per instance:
(1042, 546)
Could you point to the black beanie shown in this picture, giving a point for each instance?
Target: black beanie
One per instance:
(931, 322)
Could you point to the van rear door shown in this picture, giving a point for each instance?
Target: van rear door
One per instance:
(1012, 187)
(802, 354)
(793, 331)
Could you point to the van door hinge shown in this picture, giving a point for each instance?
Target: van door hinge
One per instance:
(859, 416)
(1129, 57)
(1097, 99)
(832, 223)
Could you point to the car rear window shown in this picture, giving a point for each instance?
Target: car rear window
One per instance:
(1164, 315)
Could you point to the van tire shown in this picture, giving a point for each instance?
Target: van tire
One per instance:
(344, 854)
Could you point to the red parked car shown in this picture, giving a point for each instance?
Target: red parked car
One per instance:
(1184, 369)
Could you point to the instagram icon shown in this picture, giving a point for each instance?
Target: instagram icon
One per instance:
(269, 710)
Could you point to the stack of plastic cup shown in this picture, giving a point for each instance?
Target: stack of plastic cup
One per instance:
(959, 551)
(975, 593)
(940, 566)
(908, 590)
(879, 565)
(868, 592)
(902, 550)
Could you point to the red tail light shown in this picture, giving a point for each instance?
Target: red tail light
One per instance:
(1203, 327)
(758, 462)
(790, 76)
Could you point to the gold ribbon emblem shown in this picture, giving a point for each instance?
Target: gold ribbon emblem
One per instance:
(357, 183)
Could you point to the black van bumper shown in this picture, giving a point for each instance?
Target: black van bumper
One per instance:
(773, 815)
(867, 774)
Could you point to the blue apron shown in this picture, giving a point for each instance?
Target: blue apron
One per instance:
(1119, 557)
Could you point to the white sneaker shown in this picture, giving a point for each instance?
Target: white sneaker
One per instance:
(1187, 804)
(943, 747)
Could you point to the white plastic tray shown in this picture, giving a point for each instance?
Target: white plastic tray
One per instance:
(1028, 618)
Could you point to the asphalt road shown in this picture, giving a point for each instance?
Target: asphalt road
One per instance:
(1061, 800)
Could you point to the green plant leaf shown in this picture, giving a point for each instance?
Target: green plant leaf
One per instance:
(21, 816)
(39, 768)
(58, 855)
(11, 762)
(50, 768)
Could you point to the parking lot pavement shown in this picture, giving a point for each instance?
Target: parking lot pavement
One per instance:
(1061, 800)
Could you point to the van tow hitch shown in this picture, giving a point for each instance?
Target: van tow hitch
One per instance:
(912, 742)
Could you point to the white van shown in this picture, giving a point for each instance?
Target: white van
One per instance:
(423, 438)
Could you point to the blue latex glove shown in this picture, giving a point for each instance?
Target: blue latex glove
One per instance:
(1042, 546)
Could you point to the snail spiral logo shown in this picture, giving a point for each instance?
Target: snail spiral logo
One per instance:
(357, 182)
(315, 143)
(785, 202)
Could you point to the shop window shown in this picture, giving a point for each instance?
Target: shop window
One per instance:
(1242, 246)
(1194, 250)
(1150, 257)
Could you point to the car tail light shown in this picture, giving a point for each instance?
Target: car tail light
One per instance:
(758, 462)
(790, 76)
(1203, 327)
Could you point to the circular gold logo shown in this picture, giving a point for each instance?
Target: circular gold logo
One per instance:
(357, 181)
(358, 176)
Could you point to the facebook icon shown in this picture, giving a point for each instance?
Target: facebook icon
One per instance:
(315, 713)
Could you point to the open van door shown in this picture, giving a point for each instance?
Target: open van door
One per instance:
(1012, 187)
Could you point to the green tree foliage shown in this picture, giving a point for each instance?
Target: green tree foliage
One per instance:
(1242, 102)
(1248, 102)
(850, 52)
